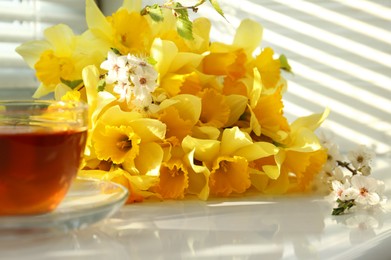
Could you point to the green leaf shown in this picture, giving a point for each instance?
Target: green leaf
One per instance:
(338, 211)
(116, 51)
(155, 12)
(284, 63)
(185, 28)
(72, 83)
(217, 7)
(183, 23)
(151, 60)
(101, 85)
(200, 2)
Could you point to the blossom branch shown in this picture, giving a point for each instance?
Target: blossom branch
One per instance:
(347, 166)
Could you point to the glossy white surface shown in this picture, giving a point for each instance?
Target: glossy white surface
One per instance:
(242, 228)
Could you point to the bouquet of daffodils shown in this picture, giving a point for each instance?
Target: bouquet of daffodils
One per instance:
(174, 115)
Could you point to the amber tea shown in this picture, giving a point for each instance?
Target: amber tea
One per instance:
(41, 148)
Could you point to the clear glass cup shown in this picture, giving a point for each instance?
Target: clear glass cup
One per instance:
(41, 149)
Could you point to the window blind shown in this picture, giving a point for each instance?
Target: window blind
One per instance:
(25, 20)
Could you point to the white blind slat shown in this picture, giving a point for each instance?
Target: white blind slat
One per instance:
(25, 20)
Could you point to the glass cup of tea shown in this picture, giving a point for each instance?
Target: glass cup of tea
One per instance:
(41, 148)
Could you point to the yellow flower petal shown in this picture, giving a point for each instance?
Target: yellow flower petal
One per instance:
(96, 19)
(149, 160)
(257, 150)
(132, 5)
(198, 176)
(248, 36)
(31, 51)
(311, 122)
(204, 150)
(62, 39)
(268, 67)
(205, 132)
(163, 52)
(233, 139)
(189, 107)
(237, 105)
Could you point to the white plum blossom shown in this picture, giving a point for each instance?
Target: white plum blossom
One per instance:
(124, 90)
(116, 67)
(344, 191)
(367, 190)
(333, 156)
(361, 157)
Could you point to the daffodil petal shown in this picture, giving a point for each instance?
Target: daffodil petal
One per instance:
(149, 160)
(96, 19)
(233, 139)
(185, 58)
(206, 132)
(61, 37)
(248, 35)
(311, 122)
(205, 150)
(132, 5)
(189, 107)
(257, 150)
(31, 51)
(304, 141)
(256, 88)
(198, 178)
(237, 105)
(164, 53)
(149, 130)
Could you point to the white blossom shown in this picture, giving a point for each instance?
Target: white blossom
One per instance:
(343, 191)
(349, 194)
(333, 156)
(124, 90)
(367, 190)
(361, 157)
(116, 67)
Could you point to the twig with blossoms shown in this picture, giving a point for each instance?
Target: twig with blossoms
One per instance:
(350, 181)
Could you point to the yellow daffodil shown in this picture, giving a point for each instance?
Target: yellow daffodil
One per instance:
(61, 57)
(125, 138)
(115, 143)
(269, 115)
(298, 161)
(173, 180)
(229, 174)
(126, 30)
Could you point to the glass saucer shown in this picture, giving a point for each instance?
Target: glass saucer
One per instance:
(87, 202)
